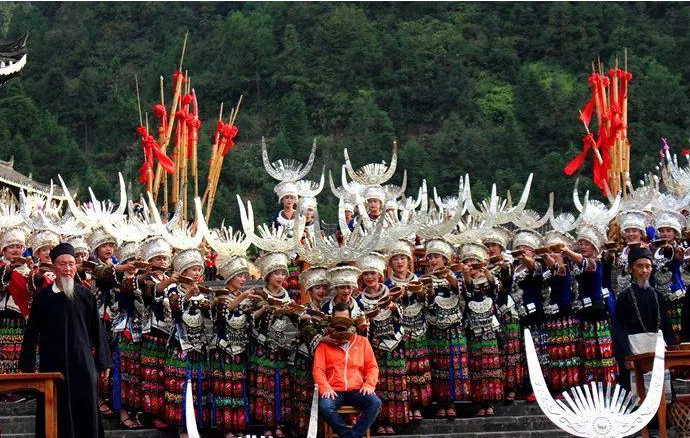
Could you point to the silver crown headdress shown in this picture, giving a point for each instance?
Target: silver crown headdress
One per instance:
(310, 189)
(642, 197)
(153, 247)
(373, 173)
(12, 236)
(632, 219)
(590, 411)
(313, 277)
(44, 238)
(372, 262)
(473, 250)
(289, 169)
(79, 244)
(669, 219)
(554, 237)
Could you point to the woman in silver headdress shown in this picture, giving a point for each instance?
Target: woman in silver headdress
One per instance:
(526, 292)
(187, 357)
(668, 265)
(386, 335)
(593, 304)
(231, 314)
(447, 343)
(312, 326)
(500, 264)
(275, 334)
(414, 324)
(155, 285)
(486, 371)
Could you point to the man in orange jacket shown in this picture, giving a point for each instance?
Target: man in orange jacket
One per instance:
(347, 373)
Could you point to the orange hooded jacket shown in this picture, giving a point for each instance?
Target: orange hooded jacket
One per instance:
(345, 368)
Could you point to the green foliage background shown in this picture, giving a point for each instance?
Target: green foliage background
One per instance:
(487, 88)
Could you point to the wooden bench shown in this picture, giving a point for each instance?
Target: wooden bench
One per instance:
(344, 410)
(43, 382)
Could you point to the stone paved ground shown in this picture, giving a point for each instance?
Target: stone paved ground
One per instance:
(516, 420)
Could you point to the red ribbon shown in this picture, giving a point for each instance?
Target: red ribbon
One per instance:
(576, 163)
(152, 148)
(228, 134)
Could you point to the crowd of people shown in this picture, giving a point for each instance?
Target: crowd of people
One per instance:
(441, 288)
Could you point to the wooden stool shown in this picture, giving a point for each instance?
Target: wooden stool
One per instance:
(328, 432)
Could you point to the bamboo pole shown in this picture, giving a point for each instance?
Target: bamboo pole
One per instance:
(149, 170)
(184, 148)
(195, 143)
(625, 117)
(171, 117)
(212, 195)
(212, 160)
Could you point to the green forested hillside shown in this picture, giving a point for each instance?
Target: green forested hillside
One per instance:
(487, 88)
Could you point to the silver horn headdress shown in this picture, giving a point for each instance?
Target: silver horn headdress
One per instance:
(288, 169)
(269, 239)
(373, 173)
(321, 250)
(590, 411)
(182, 236)
(99, 212)
(505, 212)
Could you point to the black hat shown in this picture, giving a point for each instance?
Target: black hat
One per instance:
(636, 254)
(61, 249)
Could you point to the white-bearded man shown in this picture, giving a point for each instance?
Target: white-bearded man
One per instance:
(64, 324)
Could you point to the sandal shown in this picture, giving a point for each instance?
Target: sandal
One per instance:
(451, 412)
(279, 433)
(380, 430)
(480, 413)
(268, 433)
(417, 416)
(390, 430)
(133, 426)
(441, 413)
(511, 396)
(107, 411)
(490, 411)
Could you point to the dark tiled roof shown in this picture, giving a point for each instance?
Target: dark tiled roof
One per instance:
(11, 177)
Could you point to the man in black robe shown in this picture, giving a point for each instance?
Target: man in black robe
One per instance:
(639, 309)
(64, 323)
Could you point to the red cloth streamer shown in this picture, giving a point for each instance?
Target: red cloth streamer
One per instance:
(576, 163)
(686, 152)
(152, 148)
(228, 134)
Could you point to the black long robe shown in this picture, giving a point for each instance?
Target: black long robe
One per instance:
(65, 332)
(626, 322)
